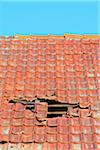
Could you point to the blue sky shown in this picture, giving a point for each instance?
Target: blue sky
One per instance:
(52, 17)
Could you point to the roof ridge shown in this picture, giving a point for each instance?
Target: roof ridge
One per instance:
(66, 35)
(80, 36)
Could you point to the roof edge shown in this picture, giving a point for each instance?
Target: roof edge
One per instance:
(79, 36)
(71, 36)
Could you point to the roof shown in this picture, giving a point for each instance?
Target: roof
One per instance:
(47, 146)
(66, 67)
(39, 72)
(21, 125)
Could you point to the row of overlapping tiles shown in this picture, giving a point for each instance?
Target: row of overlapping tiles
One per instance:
(18, 124)
(69, 69)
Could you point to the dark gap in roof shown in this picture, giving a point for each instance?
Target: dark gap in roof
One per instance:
(55, 108)
(74, 117)
(51, 102)
(56, 111)
(56, 102)
(54, 94)
(27, 143)
(28, 105)
(30, 108)
(12, 101)
(54, 115)
(3, 142)
(84, 107)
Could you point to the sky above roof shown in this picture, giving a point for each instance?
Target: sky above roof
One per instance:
(52, 17)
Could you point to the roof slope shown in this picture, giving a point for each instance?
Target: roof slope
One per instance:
(66, 67)
(61, 68)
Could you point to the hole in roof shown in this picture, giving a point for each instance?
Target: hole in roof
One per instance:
(55, 108)
(12, 101)
(30, 108)
(3, 142)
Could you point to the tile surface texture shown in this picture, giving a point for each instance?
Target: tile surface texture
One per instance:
(61, 68)
(68, 68)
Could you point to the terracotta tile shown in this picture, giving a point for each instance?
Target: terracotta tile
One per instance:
(51, 138)
(27, 138)
(5, 122)
(88, 146)
(95, 106)
(52, 122)
(97, 138)
(61, 93)
(96, 122)
(75, 129)
(75, 138)
(75, 121)
(15, 138)
(28, 122)
(41, 114)
(97, 129)
(6, 114)
(71, 92)
(4, 138)
(87, 130)
(84, 112)
(5, 130)
(40, 122)
(28, 129)
(70, 86)
(18, 114)
(28, 114)
(19, 87)
(62, 146)
(28, 93)
(87, 138)
(79, 68)
(41, 106)
(16, 130)
(92, 92)
(75, 146)
(17, 122)
(37, 146)
(51, 146)
(62, 138)
(39, 138)
(96, 114)
(88, 121)
(63, 129)
(97, 146)
(7, 106)
(51, 130)
(63, 121)
(40, 129)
